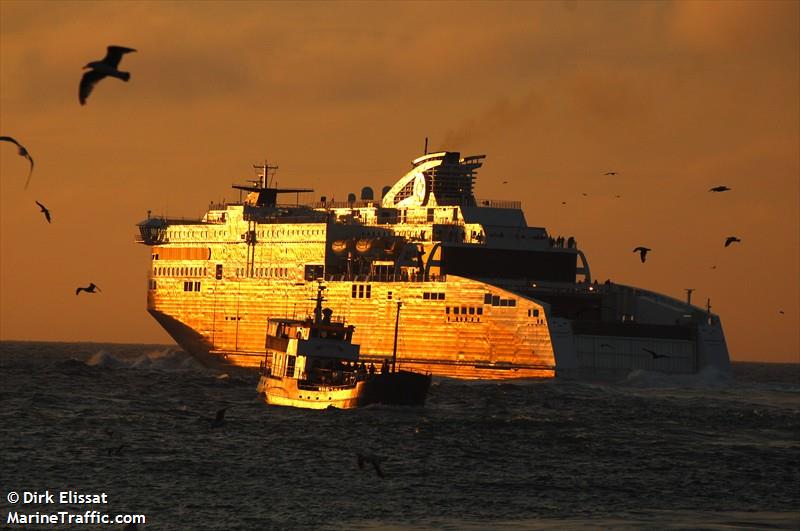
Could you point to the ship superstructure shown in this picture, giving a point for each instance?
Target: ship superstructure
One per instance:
(484, 295)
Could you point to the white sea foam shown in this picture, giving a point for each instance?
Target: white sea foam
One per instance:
(167, 359)
(707, 378)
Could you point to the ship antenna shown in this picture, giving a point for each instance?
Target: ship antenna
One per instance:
(394, 348)
(689, 295)
(318, 307)
(426, 146)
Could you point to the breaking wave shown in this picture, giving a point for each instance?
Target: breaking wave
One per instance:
(168, 359)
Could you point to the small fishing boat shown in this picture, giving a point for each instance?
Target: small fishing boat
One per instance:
(312, 363)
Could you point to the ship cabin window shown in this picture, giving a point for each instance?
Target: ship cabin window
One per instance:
(426, 295)
(355, 291)
(480, 310)
(455, 310)
(389, 295)
(361, 292)
(495, 300)
(155, 256)
(447, 309)
(290, 365)
(313, 272)
(369, 291)
(430, 214)
(503, 302)
(218, 275)
(197, 286)
(487, 298)
(471, 310)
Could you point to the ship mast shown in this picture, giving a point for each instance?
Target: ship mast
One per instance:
(394, 348)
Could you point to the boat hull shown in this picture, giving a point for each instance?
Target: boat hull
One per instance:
(402, 388)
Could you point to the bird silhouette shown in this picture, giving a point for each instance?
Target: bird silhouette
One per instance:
(23, 153)
(88, 289)
(654, 353)
(219, 420)
(719, 189)
(100, 69)
(505, 182)
(372, 459)
(115, 450)
(642, 252)
(44, 210)
(731, 239)
(611, 173)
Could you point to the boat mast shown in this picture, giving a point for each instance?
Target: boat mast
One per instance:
(396, 326)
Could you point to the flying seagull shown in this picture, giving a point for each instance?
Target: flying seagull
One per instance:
(100, 69)
(23, 153)
(611, 173)
(373, 459)
(88, 289)
(505, 182)
(731, 239)
(719, 189)
(44, 211)
(654, 354)
(642, 252)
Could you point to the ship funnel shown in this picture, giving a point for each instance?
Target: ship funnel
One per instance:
(367, 194)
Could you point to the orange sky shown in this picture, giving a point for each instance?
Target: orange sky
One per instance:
(676, 97)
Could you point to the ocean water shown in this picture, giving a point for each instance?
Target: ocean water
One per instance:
(708, 451)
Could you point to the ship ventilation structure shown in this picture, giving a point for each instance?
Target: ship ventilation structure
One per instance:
(438, 179)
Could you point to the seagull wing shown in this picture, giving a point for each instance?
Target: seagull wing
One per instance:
(23, 152)
(79, 290)
(114, 55)
(30, 171)
(9, 139)
(41, 206)
(88, 81)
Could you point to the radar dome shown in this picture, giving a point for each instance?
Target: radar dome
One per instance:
(367, 194)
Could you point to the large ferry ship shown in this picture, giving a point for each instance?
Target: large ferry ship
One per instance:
(483, 294)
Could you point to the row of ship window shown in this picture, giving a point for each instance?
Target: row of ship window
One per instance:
(180, 271)
(495, 300)
(362, 291)
(188, 285)
(191, 286)
(264, 272)
(222, 233)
